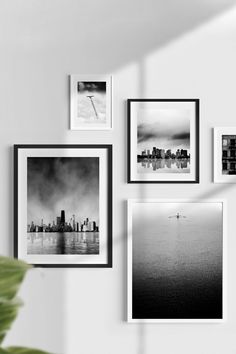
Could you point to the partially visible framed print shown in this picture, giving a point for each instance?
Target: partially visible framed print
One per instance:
(225, 155)
(90, 102)
(63, 205)
(176, 260)
(163, 141)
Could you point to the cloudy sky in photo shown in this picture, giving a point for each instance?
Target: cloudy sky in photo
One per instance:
(85, 111)
(164, 129)
(67, 183)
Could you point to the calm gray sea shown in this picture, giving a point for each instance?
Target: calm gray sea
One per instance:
(177, 266)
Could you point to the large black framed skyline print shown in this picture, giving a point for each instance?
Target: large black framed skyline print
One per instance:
(163, 141)
(63, 205)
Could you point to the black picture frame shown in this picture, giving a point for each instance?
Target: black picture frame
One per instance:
(17, 148)
(196, 103)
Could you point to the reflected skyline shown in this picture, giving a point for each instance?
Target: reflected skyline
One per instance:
(63, 243)
(164, 165)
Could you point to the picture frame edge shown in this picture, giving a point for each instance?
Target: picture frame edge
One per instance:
(109, 147)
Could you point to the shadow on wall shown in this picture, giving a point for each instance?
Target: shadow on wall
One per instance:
(128, 37)
(109, 35)
(124, 32)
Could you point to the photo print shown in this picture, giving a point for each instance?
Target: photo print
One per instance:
(175, 261)
(163, 140)
(225, 155)
(63, 205)
(90, 102)
(229, 154)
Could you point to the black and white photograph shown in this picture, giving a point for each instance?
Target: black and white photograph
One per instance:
(90, 102)
(175, 261)
(66, 198)
(225, 155)
(163, 140)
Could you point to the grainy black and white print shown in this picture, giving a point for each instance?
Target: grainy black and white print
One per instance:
(63, 205)
(91, 102)
(163, 141)
(229, 154)
(177, 261)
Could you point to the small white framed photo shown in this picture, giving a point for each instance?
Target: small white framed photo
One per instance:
(225, 154)
(90, 102)
(176, 260)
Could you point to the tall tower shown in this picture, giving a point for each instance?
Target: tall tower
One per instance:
(73, 222)
(62, 217)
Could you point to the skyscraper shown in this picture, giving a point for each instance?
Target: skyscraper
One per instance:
(162, 153)
(168, 153)
(73, 222)
(63, 217)
(184, 153)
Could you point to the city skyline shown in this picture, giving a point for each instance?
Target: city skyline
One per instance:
(62, 183)
(162, 153)
(59, 224)
(169, 128)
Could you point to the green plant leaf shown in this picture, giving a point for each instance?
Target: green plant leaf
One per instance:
(8, 313)
(20, 350)
(2, 351)
(12, 273)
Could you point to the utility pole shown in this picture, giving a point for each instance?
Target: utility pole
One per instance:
(91, 99)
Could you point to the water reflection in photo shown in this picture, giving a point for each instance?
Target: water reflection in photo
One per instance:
(63, 243)
(164, 165)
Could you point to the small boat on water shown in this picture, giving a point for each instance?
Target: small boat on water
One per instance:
(177, 216)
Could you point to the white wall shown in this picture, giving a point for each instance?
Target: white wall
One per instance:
(170, 49)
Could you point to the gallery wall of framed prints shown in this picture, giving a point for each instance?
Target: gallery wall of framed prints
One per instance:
(176, 248)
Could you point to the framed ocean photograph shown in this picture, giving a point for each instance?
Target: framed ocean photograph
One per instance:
(163, 140)
(63, 205)
(176, 260)
(225, 155)
(90, 102)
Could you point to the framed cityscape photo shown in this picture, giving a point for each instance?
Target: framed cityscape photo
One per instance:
(176, 260)
(163, 141)
(90, 102)
(63, 205)
(225, 155)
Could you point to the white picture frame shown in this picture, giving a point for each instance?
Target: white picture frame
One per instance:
(130, 253)
(90, 102)
(222, 164)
